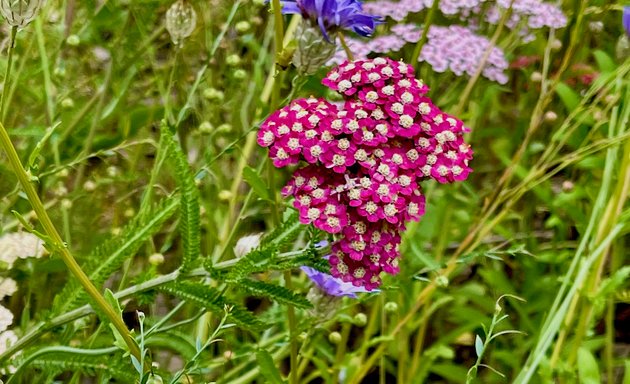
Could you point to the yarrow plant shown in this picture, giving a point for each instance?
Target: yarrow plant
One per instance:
(455, 48)
(365, 161)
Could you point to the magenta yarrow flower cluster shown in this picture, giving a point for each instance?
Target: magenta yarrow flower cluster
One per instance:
(363, 161)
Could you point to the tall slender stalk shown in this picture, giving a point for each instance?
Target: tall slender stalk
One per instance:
(463, 100)
(425, 32)
(58, 245)
(7, 76)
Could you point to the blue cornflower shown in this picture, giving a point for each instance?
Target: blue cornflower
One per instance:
(626, 19)
(332, 285)
(331, 15)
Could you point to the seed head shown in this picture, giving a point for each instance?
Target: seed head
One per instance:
(19, 13)
(181, 20)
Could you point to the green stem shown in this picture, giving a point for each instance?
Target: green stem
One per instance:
(48, 86)
(275, 99)
(425, 32)
(7, 75)
(342, 40)
(148, 285)
(293, 378)
(473, 80)
(59, 244)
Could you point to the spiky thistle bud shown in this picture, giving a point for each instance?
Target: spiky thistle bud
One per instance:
(19, 13)
(181, 20)
(312, 51)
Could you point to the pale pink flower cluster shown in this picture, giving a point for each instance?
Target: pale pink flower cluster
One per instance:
(454, 48)
(536, 13)
(363, 162)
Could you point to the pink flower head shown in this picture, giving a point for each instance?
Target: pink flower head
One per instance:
(364, 161)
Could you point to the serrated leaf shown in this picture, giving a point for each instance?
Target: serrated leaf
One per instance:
(588, 369)
(64, 362)
(478, 346)
(111, 254)
(190, 221)
(254, 180)
(268, 368)
(210, 298)
(275, 292)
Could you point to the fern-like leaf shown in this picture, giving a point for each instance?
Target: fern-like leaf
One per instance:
(285, 234)
(190, 222)
(109, 256)
(274, 292)
(88, 365)
(210, 298)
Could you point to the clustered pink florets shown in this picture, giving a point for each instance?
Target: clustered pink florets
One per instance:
(366, 160)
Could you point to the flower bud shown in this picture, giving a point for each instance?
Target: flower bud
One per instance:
(224, 128)
(360, 319)
(239, 74)
(567, 186)
(73, 40)
(21, 12)
(225, 195)
(66, 203)
(550, 116)
(112, 171)
(181, 19)
(242, 26)
(67, 103)
(312, 51)
(213, 94)
(334, 337)
(155, 379)
(556, 45)
(536, 77)
(156, 259)
(441, 281)
(233, 60)
(391, 307)
(89, 186)
(206, 127)
(596, 26)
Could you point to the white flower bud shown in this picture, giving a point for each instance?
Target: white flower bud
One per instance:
(550, 116)
(246, 244)
(89, 186)
(18, 13)
(181, 20)
(536, 77)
